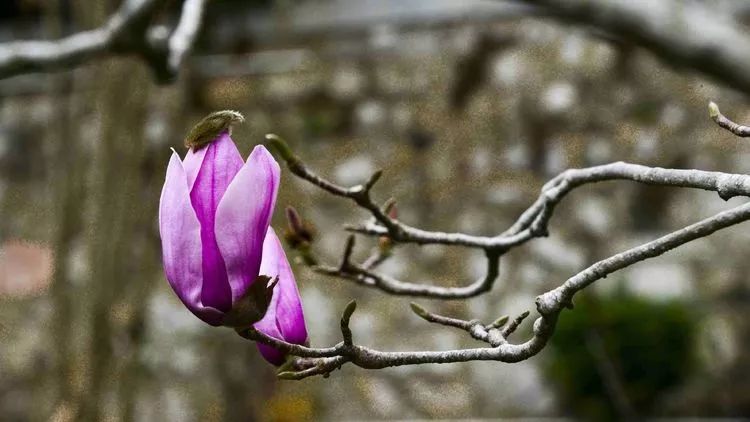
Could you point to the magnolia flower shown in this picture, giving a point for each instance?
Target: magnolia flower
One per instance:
(218, 248)
(214, 213)
(284, 319)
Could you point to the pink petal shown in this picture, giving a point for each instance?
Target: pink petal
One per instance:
(181, 242)
(243, 217)
(221, 162)
(192, 164)
(285, 319)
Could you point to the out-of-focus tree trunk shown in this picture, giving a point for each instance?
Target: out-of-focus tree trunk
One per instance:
(67, 189)
(116, 213)
(116, 195)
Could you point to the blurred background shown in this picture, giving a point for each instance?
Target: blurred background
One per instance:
(469, 107)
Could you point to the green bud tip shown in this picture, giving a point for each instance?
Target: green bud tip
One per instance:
(420, 311)
(713, 110)
(280, 145)
(287, 365)
(286, 375)
(500, 321)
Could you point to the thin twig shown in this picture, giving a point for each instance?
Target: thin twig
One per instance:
(724, 122)
(346, 332)
(511, 328)
(474, 327)
(369, 278)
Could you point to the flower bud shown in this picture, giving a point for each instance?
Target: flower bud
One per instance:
(214, 213)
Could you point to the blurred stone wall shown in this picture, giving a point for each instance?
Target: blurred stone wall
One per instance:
(467, 120)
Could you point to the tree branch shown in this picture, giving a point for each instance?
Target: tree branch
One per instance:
(725, 123)
(687, 35)
(549, 305)
(554, 300)
(532, 223)
(126, 32)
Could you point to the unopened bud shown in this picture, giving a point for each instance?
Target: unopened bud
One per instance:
(500, 322)
(420, 311)
(298, 232)
(385, 245)
(211, 126)
(713, 110)
(389, 208)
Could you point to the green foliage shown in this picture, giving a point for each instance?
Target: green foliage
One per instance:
(649, 344)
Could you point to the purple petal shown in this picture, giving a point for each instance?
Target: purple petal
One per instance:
(285, 319)
(221, 162)
(181, 242)
(243, 217)
(192, 164)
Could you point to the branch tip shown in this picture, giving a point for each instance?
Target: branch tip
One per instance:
(287, 375)
(346, 332)
(725, 123)
(349, 310)
(282, 148)
(713, 110)
(420, 311)
(373, 179)
(348, 249)
(500, 322)
(511, 328)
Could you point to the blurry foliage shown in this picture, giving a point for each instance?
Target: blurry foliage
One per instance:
(649, 343)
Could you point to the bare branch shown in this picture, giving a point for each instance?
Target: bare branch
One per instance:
(183, 37)
(549, 305)
(294, 349)
(442, 320)
(532, 223)
(126, 32)
(366, 277)
(723, 122)
(360, 194)
(553, 301)
(667, 28)
(475, 328)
